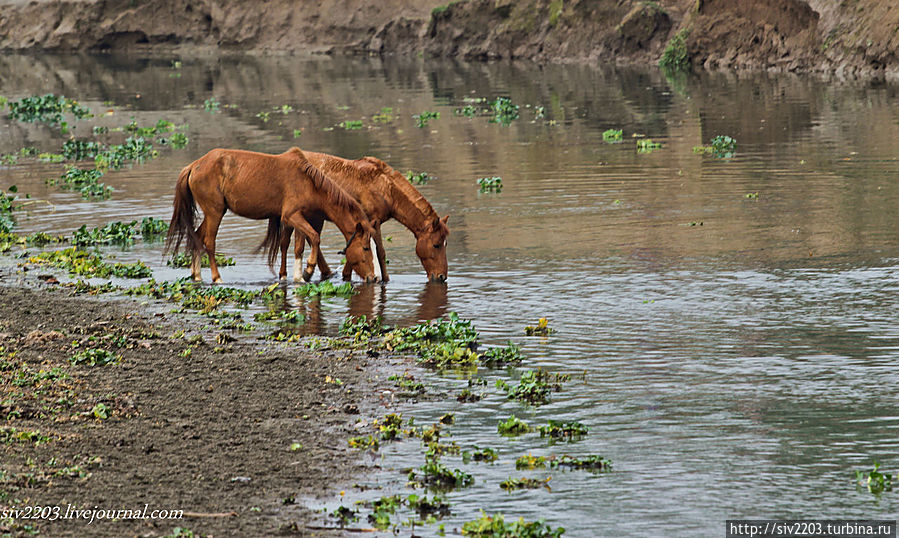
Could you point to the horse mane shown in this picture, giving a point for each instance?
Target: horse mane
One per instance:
(404, 189)
(332, 190)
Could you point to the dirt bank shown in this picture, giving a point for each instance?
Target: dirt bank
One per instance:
(847, 38)
(211, 432)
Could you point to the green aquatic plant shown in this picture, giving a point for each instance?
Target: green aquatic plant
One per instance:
(874, 480)
(87, 182)
(78, 150)
(113, 233)
(490, 184)
(504, 111)
(498, 357)
(211, 105)
(435, 507)
(409, 387)
(436, 475)
(534, 387)
(351, 125)
(293, 317)
(362, 329)
(541, 329)
(325, 288)
(646, 145)
(419, 178)
(468, 111)
(486, 455)
(183, 259)
(384, 116)
(495, 526)
(426, 116)
(455, 332)
(612, 135)
(529, 462)
(80, 262)
(511, 484)
(513, 426)
(592, 462)
(7, 206)
(48, 108)
(563, 430)
(152, 228)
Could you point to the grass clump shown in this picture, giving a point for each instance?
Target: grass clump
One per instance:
(676, 57)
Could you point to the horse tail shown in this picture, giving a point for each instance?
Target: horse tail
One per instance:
(183, 223)
(272, 242)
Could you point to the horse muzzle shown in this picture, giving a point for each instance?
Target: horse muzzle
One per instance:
(438, 278)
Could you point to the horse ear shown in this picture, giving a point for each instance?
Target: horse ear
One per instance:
(444, 219)
(375, 161)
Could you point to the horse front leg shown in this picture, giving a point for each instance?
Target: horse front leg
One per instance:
(382, 254)
(323, 267)
(302, 226)
(285, 243)
(210, 226)
(299, 246)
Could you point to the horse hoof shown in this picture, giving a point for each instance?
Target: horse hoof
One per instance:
(198, 279)
(326, 276)
(217, 281)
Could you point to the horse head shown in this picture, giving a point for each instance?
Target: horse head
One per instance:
(430, 247)
(359, 257)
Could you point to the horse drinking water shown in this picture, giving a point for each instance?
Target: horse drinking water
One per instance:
(383, 193)
(286, 189)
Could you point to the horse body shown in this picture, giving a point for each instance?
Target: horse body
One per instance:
(286, 189)
(383, 193)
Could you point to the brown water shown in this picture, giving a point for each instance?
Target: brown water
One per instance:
(734, 356)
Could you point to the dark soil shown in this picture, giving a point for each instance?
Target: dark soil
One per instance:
(209, 434)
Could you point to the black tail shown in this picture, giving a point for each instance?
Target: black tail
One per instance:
(272, 242)
(184, 215)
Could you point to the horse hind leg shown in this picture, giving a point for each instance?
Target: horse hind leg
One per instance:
(195, 256)
(302, 227)
(285, 243)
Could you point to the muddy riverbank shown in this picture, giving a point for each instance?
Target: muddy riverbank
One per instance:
(846, 39)
(236, 432)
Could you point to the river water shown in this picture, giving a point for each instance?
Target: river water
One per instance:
(729, 323)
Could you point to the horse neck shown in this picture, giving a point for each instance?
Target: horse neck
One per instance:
(344, 217)
(410, 208)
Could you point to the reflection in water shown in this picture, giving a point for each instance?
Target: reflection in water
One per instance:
(731, 321)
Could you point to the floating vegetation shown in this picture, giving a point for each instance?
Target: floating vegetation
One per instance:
(434, 474)
(541, 329)
(435, 507)
(351, 125)
(113, 233)
(504, 111)
(495, 526)
(528, 462)
(419, 178)
(486, 455)
(490, 184)
(539, 112)
(513, 426)
(7, 206)
(409, 387)
(390, 426)
(874, 480)
(85, 181)
(721, 146)
(751, 195)
(152, 228)
(361, 329)
(468, 111)
(612, 135)
(325, 288)
(646, 145)
(135, 149)
(364, 442)
(426, 116)
(297, 133)
(534, 386)
(211, 105)
(497, 357)
(80, 262)
(292, 317)
(592, 462)
(467, 396)
(264, 116)
(563, 430)
(183, 259)
(78, 150)
(47, 108)
(511, 484)
(93, 357)
(384, 116)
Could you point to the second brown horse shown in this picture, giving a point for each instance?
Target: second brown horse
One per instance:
(286, 189)
(383, 193)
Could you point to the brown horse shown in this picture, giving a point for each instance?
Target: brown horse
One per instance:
(383, 193)
(286, 189)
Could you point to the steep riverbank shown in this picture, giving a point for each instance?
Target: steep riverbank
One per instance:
(853, 38)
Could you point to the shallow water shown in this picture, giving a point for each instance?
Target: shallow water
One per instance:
(733, 356)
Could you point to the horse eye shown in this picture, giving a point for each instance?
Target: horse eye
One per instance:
(437, 245)
(366, 249)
